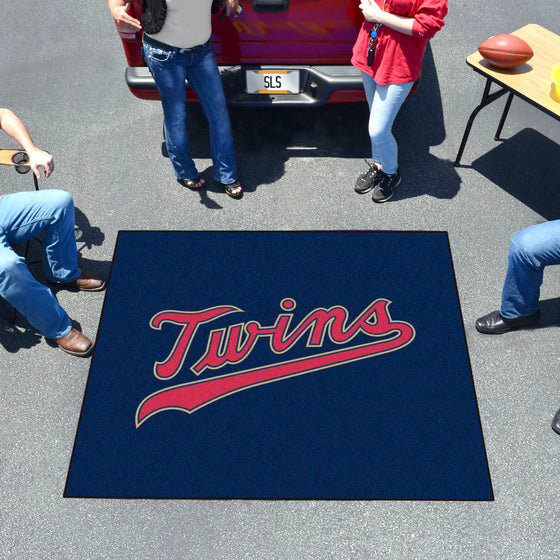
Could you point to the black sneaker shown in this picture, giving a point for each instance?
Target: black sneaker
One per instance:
(366, 181)
(386, 187)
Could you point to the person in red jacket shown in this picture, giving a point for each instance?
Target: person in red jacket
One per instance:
(389, 51)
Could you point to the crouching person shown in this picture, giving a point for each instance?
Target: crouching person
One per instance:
(23, 216)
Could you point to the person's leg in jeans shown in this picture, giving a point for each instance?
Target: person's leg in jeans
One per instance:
(205, 80)
(22, 217)
(169, 70)
(385, 102)
(531, 250)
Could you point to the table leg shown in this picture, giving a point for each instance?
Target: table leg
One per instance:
(487, 98)
(504, 116)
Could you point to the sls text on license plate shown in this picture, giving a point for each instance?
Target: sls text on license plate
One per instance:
(272, 81)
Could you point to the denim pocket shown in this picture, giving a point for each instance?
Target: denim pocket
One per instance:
(159, 55)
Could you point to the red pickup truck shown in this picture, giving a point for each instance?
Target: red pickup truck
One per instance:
(277, 52)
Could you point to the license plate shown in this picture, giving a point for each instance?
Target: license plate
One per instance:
(272, 81)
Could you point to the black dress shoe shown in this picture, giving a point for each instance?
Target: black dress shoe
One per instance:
(556, 422)
(494, 323)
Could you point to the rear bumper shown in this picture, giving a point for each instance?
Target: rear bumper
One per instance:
(318, 85)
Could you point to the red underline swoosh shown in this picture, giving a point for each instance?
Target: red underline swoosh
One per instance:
(189, 397)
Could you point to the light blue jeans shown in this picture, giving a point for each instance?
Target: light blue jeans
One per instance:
(530, 250)
(384, 104)
(23, 216)
(170, 68)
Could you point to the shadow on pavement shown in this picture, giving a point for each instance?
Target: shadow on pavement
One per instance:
(550, 312)
(420, 125)
(527, 166)
(265, 138)
(86, 233)
(18, 335)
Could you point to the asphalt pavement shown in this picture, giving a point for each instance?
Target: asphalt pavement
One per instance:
(62, 69)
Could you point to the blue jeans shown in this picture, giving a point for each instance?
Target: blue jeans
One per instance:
(530, 250)
(170, 68)
(384, 104)
(23, 216)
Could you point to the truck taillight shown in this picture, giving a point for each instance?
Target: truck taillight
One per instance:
(125, 34)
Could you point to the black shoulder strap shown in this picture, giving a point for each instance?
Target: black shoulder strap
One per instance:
(153, 15)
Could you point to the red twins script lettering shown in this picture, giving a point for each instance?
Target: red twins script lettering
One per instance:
(233, 344)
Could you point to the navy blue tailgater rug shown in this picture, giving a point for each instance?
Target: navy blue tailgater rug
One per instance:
(281, 365)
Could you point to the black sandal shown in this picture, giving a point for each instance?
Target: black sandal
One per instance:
(192, 183)
(235, 190)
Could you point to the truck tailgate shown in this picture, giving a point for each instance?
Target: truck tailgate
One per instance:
(288, 32)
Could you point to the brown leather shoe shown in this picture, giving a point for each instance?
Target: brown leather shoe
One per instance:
(88, 281)
(75, 343)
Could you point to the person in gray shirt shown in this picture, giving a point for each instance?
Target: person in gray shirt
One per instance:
(177, 47)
